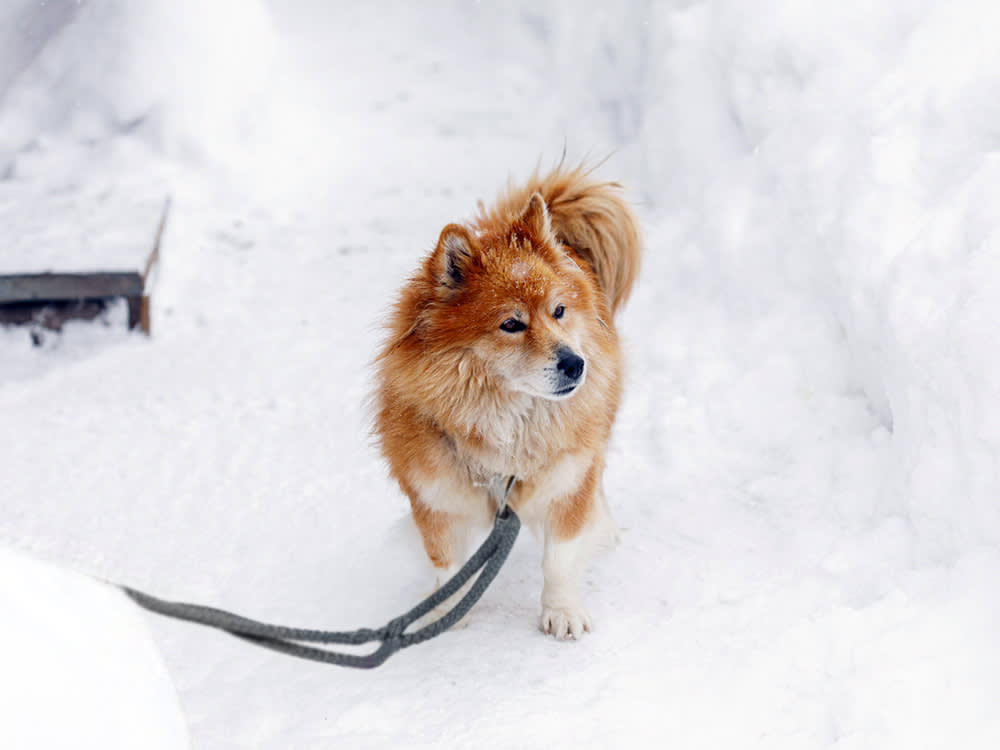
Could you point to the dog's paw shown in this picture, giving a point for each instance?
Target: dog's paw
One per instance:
(565, 622)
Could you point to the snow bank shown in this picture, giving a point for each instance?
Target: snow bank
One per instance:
(80, 666)
(848, 152)
(199, 82)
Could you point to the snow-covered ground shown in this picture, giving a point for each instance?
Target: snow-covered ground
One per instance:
(805, 468)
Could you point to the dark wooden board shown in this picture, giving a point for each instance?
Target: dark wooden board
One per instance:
(68, 286)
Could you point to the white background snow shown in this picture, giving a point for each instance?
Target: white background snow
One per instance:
(805, 468)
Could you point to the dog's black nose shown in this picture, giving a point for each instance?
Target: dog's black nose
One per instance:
(569, 364)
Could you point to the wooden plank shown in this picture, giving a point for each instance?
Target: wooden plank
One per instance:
(65, 286)
(145, 321)
(143, 316)
(154, 255)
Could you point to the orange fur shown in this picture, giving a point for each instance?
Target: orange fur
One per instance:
(463, 401)
(569, 515)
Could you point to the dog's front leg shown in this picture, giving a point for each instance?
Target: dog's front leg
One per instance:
(563, 614)
(447, 515)
(575, 528)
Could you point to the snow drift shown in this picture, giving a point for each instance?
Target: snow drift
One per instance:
(850, 152)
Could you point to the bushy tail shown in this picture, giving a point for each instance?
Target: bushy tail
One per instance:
(591, 218)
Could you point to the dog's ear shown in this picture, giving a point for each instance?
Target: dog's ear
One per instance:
(454, 256)
(536, 217)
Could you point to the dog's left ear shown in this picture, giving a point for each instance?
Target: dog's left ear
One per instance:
(536, 216)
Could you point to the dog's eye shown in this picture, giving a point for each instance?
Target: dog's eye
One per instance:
(558, 312)
(512, 325)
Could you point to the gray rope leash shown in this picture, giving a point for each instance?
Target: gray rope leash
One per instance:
(489, 558)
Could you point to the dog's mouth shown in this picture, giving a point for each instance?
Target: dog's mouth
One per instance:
(564, 392)
(556, 389)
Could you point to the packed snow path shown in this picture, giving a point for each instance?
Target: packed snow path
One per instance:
(800, 466)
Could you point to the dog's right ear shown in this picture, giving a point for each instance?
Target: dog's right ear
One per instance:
(453, 256)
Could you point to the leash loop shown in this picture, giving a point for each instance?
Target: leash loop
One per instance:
(486, 561)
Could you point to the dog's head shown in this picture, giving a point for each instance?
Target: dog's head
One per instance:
(514, 299)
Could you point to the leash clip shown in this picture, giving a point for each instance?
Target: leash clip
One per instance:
(504, 496)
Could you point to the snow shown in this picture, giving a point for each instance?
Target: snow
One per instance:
(805, 467)
(114, 228)
(80, 668)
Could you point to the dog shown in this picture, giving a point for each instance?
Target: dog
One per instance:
(502, 359)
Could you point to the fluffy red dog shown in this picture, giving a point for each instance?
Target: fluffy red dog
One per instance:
(503, 360)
